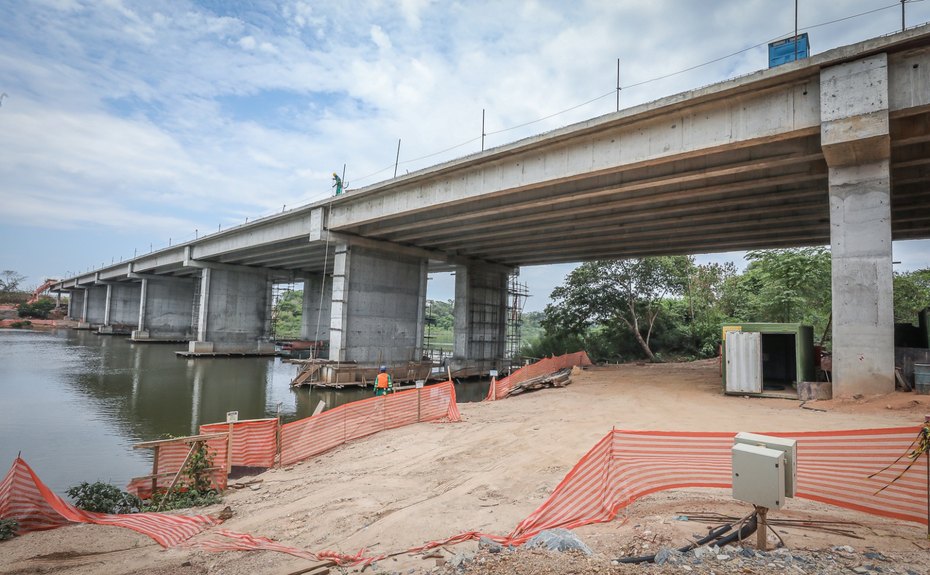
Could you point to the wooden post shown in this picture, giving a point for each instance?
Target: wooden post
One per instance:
(154, 468)
(229, 440)
(174, 480)
(762, 526)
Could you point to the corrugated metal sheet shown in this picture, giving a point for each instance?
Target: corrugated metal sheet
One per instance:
(744, 362)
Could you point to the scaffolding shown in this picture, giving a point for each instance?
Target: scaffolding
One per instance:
(517, 292)
(278, 292)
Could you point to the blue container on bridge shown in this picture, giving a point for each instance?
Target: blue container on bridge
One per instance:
(782, 51)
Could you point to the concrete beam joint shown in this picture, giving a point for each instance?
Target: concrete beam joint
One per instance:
(854, 112)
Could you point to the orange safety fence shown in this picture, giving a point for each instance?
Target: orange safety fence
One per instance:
(832, 467)
(170, 456)
(253, 442)
(35, 507)
(545, 366)
(314, 435)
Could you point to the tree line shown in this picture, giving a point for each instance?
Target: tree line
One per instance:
(655, 307)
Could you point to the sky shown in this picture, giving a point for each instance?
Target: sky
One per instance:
(126, 125)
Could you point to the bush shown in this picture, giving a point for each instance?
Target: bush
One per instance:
(104, 498)
(38, 310)
(21, 324)
(8, 528)
(181, 499)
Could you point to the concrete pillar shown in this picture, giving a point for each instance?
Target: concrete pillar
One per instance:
(376, 305)
(140, 323)
(76, 300)
(233, 313)
(165, 309)
(856, 145)
(317, 308)
(96, 308)
(480, 318)
(122, 308)
(106, 307)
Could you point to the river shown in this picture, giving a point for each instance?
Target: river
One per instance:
(74, 402)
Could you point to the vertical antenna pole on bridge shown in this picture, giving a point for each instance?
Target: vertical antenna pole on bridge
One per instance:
(397, 159)
(618, 84)
(482, 129)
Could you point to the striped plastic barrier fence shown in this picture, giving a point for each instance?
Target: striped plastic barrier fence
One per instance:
(833, 467)
(169, 458)
(314, 435)
(254, 441)
(544, 366)
(35, 507)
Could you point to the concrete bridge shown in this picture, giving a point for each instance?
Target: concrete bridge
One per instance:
(834, 149)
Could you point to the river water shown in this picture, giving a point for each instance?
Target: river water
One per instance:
(74, 402)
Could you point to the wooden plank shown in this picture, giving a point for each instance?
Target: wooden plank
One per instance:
(188, 439)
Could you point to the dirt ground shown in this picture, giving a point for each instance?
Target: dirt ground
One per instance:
(404, 487)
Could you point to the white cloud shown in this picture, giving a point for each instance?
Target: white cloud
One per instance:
(380, 39)
(247, 43)
(149, 107)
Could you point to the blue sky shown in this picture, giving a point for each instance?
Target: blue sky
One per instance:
(131, 123)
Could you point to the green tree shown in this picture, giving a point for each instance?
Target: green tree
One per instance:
(288, 313)
(10, 280)
(911, 294)
(705, 295)
(626, 292)
(786, 285)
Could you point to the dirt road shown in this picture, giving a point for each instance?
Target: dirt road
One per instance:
(402, 488)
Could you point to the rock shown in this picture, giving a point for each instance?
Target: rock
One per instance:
(255, 487)
(747, 552)
(461, 558)
(723, 557)
(558, 540)
(489, 544)
(686, 567)
(700, 552)
(860, 570)
(843, 549)
(662, 556)
(874, 555)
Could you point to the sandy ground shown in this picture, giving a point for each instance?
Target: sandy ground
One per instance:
(404, 487)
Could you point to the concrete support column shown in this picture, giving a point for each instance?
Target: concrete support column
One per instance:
(165, 309)
(106, 307)
(96, 305)
(317, 308)
(233, 312)
(122, 308)
(480, 318)
(140, 324)
(376, 301)
(856, 144)
(76, 300)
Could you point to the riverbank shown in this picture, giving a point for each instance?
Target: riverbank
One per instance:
(404, 487)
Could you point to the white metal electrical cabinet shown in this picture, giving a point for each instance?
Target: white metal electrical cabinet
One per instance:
(758, 475)
(787, 446)
(744, 362)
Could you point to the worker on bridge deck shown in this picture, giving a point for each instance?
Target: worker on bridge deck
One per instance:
(383, 383)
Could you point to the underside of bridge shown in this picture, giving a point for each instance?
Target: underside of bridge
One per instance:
(832, 150)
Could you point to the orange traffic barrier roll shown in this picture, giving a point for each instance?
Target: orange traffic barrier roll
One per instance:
(544, 366)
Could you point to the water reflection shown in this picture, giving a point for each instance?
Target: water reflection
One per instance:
(74, 402)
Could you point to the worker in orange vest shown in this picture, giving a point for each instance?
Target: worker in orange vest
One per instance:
(383, 382)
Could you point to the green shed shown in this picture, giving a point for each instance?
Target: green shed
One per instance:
(760, 357)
